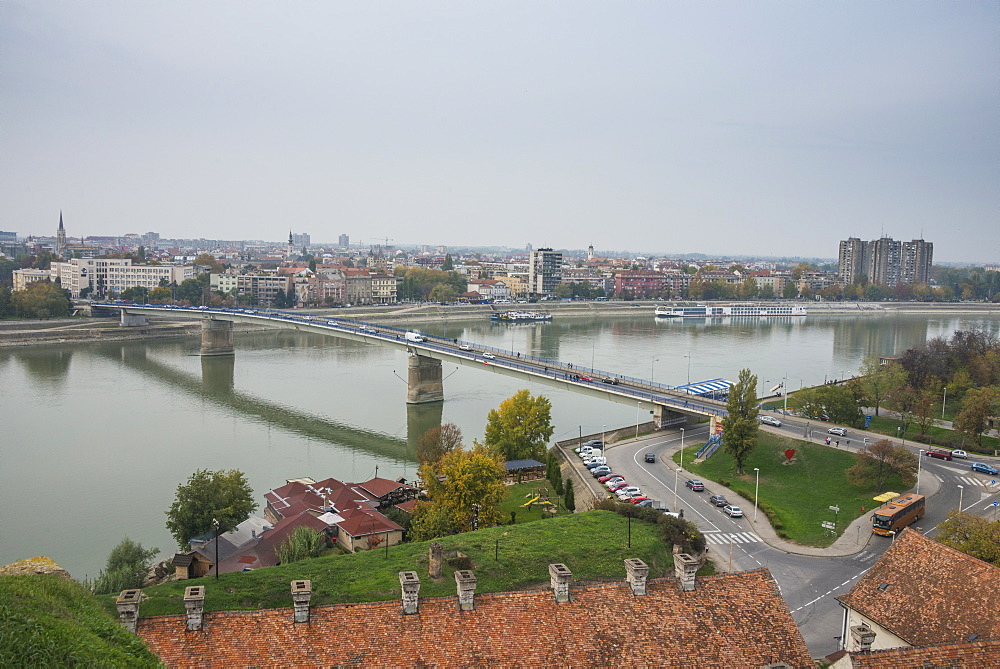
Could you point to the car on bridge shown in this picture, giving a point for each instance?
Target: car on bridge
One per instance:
(464, 347)
(611, 380)
(696, 486)
(984, 468)
(489, 356)
(770, 420)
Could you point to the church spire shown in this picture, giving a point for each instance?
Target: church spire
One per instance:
(60, 236)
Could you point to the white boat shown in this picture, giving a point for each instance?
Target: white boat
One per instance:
(745, 309)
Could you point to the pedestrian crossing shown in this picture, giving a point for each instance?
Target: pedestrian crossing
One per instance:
(721, 538)
(864, 556)
(965, 480)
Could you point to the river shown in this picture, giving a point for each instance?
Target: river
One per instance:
(95, 437)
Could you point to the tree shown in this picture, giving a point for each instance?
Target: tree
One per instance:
(973, 535)
(448, 263)
(570, 500)
(41, 299)
(460, 484)
(977, 406)
(224, 496)
(431, 521)
(437, 441)
(126, 568)
(740, 426)
(878, 380)
(791, 290)
(136, 294)
(191, 290)
(304, 542)
(443, 293)
(521, 427)
(874, 466)
(208, 260)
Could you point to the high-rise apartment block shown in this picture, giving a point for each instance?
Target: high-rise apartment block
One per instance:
(343, 241)
(544, 271)
(885, 261)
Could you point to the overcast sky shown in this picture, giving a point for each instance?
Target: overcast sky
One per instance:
(771, 128)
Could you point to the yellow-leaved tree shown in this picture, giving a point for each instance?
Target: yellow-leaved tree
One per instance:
(520, 428)
(463, 486)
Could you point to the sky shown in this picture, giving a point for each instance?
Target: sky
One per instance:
(724, 128)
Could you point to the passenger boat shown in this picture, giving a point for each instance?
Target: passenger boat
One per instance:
(520, 316)
(744, 309)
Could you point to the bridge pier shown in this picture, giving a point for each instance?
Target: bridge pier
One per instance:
(423, 380)
(665, 417)
(133, 320)
(216, 337)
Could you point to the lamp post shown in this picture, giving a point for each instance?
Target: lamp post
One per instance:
(960, 491)
(675, 488)
(920, 457)
(944, 402)
(688, 356)
(682, 447)
(784, 391)
(651, 370)
(603, 428)
(215, 523)
(756, 490)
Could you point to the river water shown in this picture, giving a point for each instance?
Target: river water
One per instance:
(95, 437)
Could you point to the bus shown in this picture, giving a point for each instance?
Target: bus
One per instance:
(897, 514)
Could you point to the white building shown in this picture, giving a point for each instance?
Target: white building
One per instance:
(104, 275)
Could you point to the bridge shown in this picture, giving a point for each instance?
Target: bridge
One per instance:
(669, 405)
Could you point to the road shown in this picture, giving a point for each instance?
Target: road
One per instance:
(808, 583)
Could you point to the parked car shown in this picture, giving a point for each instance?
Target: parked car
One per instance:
(959, 454)
(839, 431)
(615, 487)
(650, 457)
(732, 511)
(770, 420)
(645, 502)
(984, 468)
(697, 486)
(718, 500)
(608, 477)
(941, 455)
(628, 490)
(600, 470)
(641, 498)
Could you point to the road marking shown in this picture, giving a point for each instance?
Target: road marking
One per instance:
(828, 592)
(722, 539)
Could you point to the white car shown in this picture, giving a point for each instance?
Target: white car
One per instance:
(732, 511)
(464, 347)
(839, 431)
(627, 492)
(489, 356)
(770, 420)
(959, 454)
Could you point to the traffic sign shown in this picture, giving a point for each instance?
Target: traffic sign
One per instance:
(828, 525)
(835, 508)
(868, 422)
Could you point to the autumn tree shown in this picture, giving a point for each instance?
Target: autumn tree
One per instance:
(977, 406)
(437, 441)
(740, 426)
(207, 497)
(208, 260)
(460, 484)
(873, 467)
(973, 535)
(520, 428)
(878, 380)
(41, 299)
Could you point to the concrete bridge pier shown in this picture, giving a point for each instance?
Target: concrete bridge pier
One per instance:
(423, 380)
(133, 320)
(666, 417)
(216, 337)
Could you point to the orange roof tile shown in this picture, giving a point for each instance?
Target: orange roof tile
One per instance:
(927, 593)
(732, 621)
(974, 655)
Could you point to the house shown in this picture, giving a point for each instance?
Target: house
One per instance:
(730, 620)
(972, 655)
(921, 593)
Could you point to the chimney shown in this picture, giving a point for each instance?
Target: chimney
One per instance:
(559, 578)
(410, 583)
(128, 608)
(636, 571)
(301, 594)
(862, 637)
(194, 603)
(434, 561)
(685, 567)
(466, 582)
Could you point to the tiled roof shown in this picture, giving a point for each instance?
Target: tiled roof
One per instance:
(927, 593)
(732, 621)
(974, 655)
(380, 487)
(362, 522)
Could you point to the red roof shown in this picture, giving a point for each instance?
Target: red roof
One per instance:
(381, 487)
(362, 522)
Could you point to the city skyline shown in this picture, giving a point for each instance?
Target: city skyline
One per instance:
(767, 130)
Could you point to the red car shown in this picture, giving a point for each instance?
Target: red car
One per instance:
(943, 455)
(636, 500)
(616, 487)
(605, 479)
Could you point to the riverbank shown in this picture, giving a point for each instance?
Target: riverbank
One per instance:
(87, 328)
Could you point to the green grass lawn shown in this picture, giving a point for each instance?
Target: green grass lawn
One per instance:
(593, 545)
(521, 493)
(796, 497)
(939, 436)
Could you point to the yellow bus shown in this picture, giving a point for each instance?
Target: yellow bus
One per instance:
(897, 514)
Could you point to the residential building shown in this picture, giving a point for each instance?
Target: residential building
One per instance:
(263, 288)
(642, 284)
(490, 289)
(101, 276)
(358, 284)
(384, 288)
(728, 620)
(343, 241)
(917, 260)
(23, 277)
(544, 271)
(921, 593)
(885, 261)
(851, 264)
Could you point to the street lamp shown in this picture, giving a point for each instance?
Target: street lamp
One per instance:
(784, 391)
(756, 489)
(215, 522)
(944, 402)
(651, 370)
(603, 428)
(960, 491)
(688, 356)
(675, 488)
(920, 458)
(682, 447)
